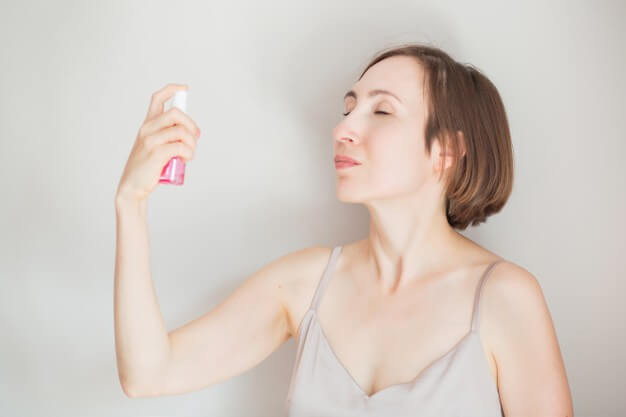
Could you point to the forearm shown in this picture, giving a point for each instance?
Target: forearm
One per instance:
(141, 339)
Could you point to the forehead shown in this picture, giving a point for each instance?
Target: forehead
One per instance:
(402, 75)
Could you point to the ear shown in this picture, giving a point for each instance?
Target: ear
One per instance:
(444, 158)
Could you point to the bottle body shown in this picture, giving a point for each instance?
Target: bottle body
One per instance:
(173, 172)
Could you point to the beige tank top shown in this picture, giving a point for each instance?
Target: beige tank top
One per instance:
(457, 384)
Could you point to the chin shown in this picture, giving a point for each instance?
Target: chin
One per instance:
(348, 194)
(349, 200)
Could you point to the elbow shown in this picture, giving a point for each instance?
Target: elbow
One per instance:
(135, 390)
(129, 390)
(144, 386)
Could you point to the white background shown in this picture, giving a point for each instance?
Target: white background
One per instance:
(266, 82)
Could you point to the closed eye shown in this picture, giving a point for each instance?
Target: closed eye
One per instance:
(378, 112)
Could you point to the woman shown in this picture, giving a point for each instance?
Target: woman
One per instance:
(401, 323)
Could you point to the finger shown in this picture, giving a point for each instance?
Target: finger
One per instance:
(161, 96)
(171, 134)
(169, 150)
(173, 116)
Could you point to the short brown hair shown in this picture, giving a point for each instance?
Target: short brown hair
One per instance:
(460, 98)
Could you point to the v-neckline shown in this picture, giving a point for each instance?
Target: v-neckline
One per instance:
(381, 391)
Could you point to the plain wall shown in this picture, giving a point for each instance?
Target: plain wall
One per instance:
(266, 83)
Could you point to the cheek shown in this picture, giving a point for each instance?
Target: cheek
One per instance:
(396, 164)
(393, 167)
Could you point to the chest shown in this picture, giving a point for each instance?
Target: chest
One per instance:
(380, 343)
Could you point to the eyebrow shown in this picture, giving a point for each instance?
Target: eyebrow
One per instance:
(372, 93)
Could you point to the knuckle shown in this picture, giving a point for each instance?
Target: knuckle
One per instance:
(180, 132)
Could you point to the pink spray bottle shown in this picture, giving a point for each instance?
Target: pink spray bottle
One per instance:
(174, 171)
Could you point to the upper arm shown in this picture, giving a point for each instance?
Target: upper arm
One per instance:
(531, 375)
(234, 336)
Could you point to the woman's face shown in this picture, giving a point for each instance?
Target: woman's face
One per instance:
(390, 147)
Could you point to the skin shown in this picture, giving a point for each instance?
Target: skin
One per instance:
(399, 298)
(414, 277)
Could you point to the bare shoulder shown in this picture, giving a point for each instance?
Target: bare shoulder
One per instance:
(299, 272)
(510, 292)
(518, 329)
(510, 286)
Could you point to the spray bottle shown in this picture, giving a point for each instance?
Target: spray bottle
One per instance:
(174, 171)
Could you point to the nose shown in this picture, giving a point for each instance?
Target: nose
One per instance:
(341, 135)
(345, 139)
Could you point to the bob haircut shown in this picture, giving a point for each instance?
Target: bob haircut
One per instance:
(459, 98)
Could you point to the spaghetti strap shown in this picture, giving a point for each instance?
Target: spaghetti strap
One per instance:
(321, 385)
(476, 309)
(328, 272)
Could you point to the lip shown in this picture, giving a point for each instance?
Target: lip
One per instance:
(344, 159)
(344, 164)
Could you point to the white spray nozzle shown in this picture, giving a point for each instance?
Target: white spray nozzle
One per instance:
(180, 100)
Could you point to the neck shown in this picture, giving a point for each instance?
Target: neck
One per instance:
(408, 241)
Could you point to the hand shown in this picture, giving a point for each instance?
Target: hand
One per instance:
(162, 136)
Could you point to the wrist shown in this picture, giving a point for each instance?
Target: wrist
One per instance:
(126, 203)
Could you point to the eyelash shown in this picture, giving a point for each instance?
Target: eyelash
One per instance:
(378, 112)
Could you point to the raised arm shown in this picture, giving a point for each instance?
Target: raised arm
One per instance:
(234, 336)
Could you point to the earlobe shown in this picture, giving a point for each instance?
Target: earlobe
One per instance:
(440, 158)
(445, 159)
(436, 155)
